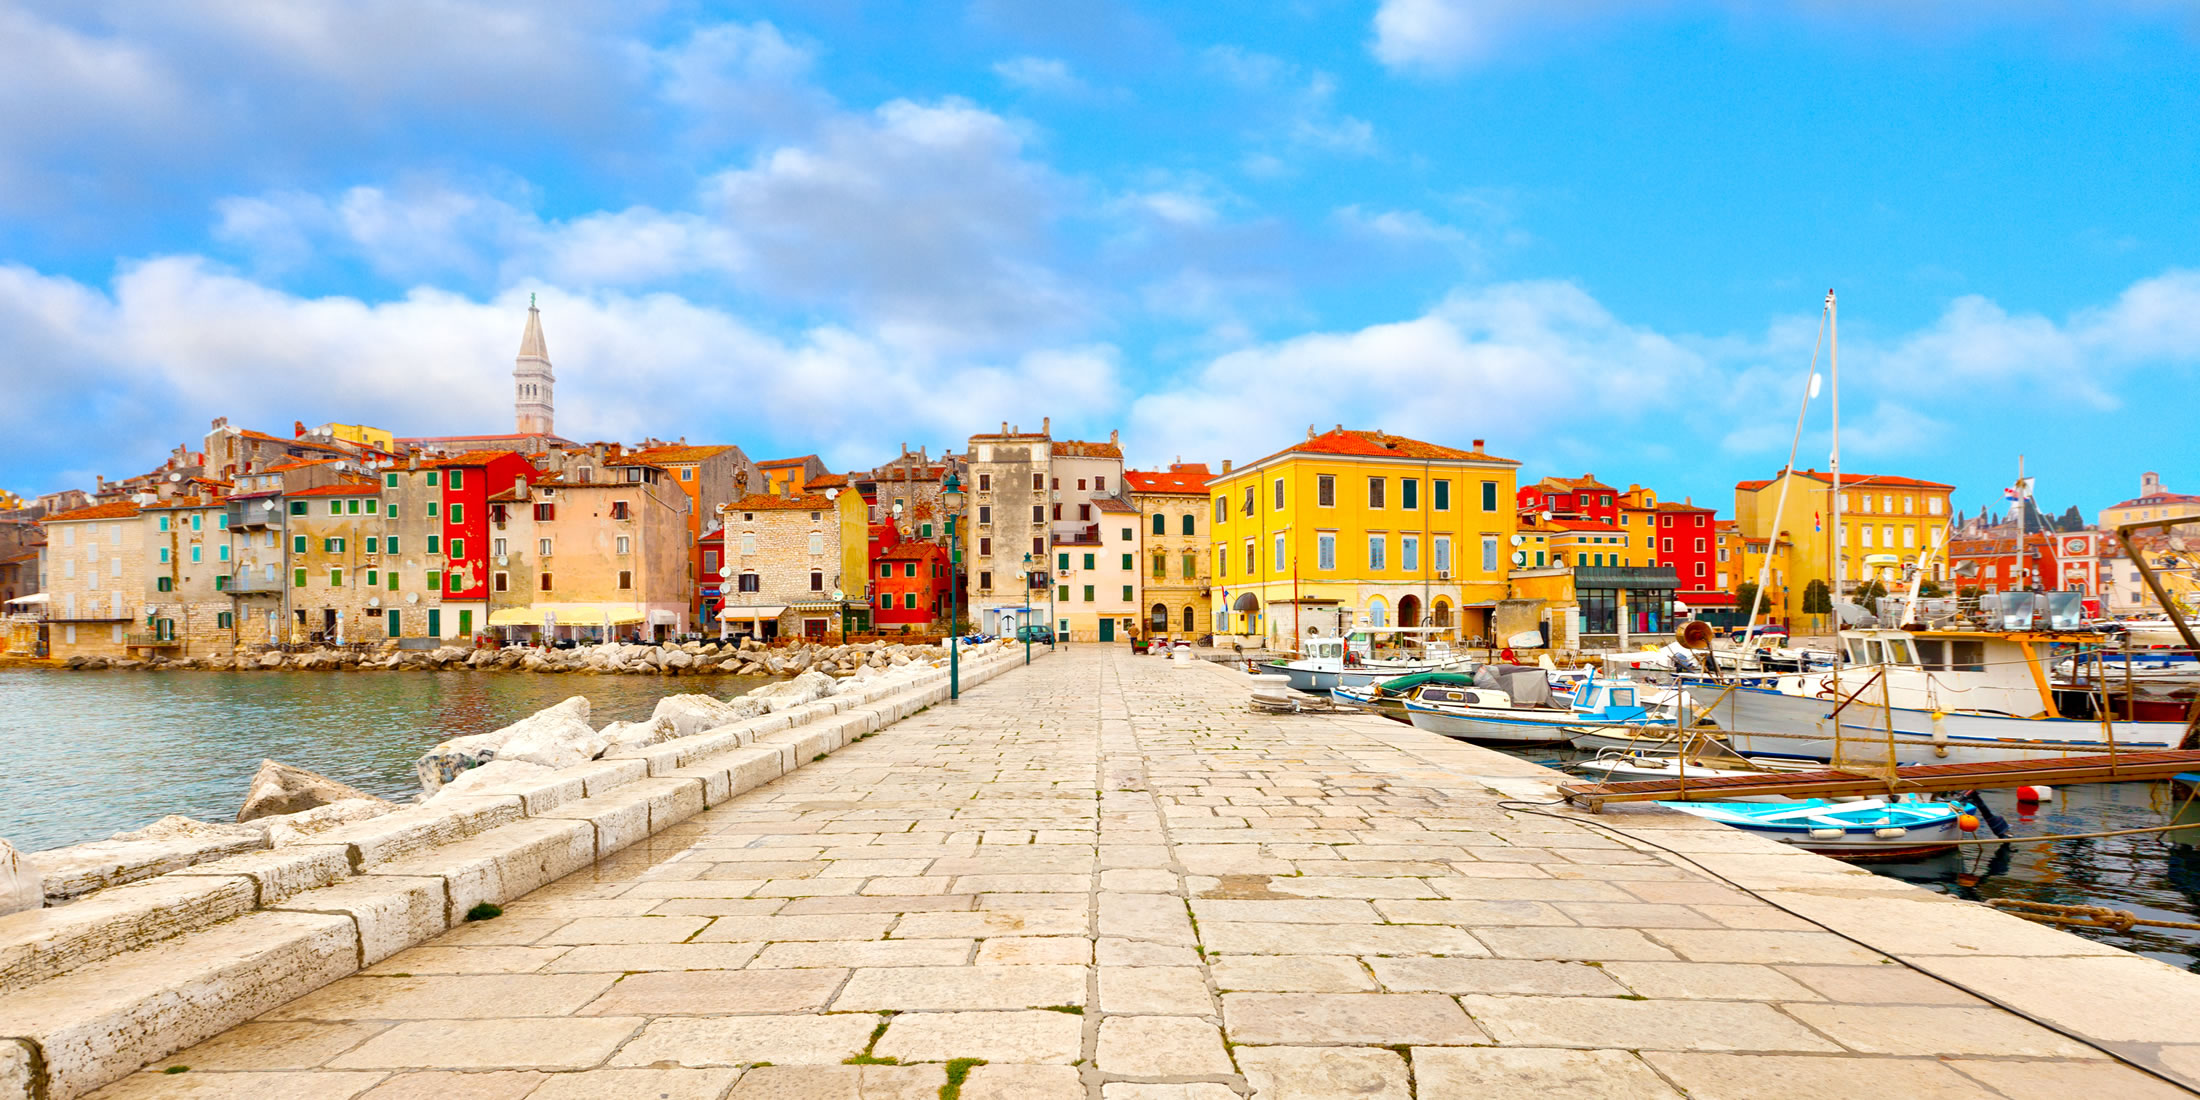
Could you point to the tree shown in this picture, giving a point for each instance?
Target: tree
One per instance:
(1970, 592)
(2072, 520)
(1744, 596)
(1817, 600)
(1870, 590)
(1930, 589)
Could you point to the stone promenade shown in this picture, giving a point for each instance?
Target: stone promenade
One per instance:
(1103, 877)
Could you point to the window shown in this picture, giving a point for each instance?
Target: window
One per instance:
(909, 569)
(1376, 489)
(164, 523)
(985, 483)
(458, 548)
(1440, 497)
(195, 554)
(435, 580)
(1932, 506)
(1084, 511)
(435, 544)
(924, 531)
(625, 545)
(1378, 547)
(297, 507)
(222, 553)
(458, 513)
(390, 544)
(1222, 562)
(1489, 497)
(502, 582)
(1191, 565)
(1126, 562)
(1701, 568)
(985, 548)
(1442, 552)
(335, 507)
(618, 511)
(1282, 561)
(1279, 497)
(687, 473)
(1088, 561)
(1665, 521)
(457, 479)
(1039, 483)
(164, 584)
(335, 577)
(1222, 509)
(223, 620)
(1325, 551)
(544, 581)
(1160, 566)
(297, 578)
(1409, 493)
(374, 578)
(391, 512)
(1062, 592)
(391, 580)
(1057, 483)
(163, 558)
(1088, 593)
(542, 511)
(1909, 537)
(1409, 553)
(1666, 544)
(1160, 524)
(195, 523)
(1700, 546)
(374, 544)
(432, 479)
(626, 578)
(908, 601)
(1325, 490)
(1489, 553)
(748, 542)
(750, 582)
(351, 507)
(542, 548)
(1190, 524)
(1127, 597)
(817, 581)
(389, 480)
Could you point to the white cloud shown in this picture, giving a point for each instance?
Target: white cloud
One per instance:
(1040, 74)
(177, 341)
(741, 80)
(1404, 226)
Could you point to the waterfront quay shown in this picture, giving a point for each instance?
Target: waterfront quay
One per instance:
(1103, 876)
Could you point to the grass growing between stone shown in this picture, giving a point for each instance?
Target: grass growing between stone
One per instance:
(958, 1070)
(484, 911)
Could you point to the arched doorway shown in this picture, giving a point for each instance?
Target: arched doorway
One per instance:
(1409, 610)
(1440, 615)
(1191, 619)
(1378, 612)
(1247, 605)
(1160, 618)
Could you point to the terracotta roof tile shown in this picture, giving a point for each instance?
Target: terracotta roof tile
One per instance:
(913, 550)
(1115, 505)
(828, 481)
(468, 458)
(682, 455)
(298, 464)
(1364, 444)
(119, 509)
(1078, 448)
(2157, 500)
(767, 502)
(776, 463)
(1183, 478)
(340, 489)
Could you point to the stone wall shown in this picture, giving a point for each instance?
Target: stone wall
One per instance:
(96, 574)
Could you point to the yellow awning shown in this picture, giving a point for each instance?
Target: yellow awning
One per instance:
(620, 616)
(568, 614)
(744, 613)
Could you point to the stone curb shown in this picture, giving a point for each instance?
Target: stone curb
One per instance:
(93, 991)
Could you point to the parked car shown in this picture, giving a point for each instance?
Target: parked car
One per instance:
(1034, 633)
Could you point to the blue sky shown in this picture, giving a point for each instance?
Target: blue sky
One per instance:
(1595, 234)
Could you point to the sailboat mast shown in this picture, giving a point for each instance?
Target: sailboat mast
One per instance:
(1835, 549)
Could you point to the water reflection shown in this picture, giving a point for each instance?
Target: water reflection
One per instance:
(86, 754)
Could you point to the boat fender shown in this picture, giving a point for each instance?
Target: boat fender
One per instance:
(1940, 734)
(1967, 822)
(1995, 822)
(2037, 792)
(1891, 832)
(1825, 834)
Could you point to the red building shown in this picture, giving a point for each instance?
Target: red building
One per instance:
(461, 485)
(1581, 497)
(710, 557)
(909, 585)
(2004, 563)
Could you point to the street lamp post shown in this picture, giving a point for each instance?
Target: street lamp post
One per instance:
(951, 498)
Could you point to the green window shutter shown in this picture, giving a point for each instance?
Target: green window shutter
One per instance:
(221, 582)
(394, 619)
(435, 580)
(431, 479)
(458, 548)
(223, 620)
(454, 582)
(328, 546)
(221, 523)
(390, 544)
(909, 569)
(1088, 561)
(1065, 593)
(1489, 496)
(195, 523)
(393, 584)
(164, 523)
(335, 577)
(373, 544)
(1088, 593)
(164, 555)
(1126, 593)
(458, 479)
(434, 541)
(389, 480)
(458, 513)
(297, 507)
(335, 507)
(885, 569)
(372, 505)
(1126, 561)
(165, 584)
(909, 601)
(374, 578)
(924, 530)
(392, 513)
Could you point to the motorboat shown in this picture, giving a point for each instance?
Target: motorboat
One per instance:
(1514, 705)
(1929, 697)
(1871, 829)
(1350, 661)
(1614, 766)
(1389, 697)
(1624, 713)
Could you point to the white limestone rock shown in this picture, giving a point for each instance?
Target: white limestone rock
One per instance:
(280, 789)
(305, 826)
(495, 773)
(21, 886)
(555, 737)
(172, 843)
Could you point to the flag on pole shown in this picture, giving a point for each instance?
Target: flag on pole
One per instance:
(2022, 490)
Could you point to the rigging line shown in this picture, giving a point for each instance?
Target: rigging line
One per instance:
(1524, 807)
(1787, 479)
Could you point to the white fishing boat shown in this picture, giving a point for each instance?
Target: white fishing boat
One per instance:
(1524, 711)
(1328, 663)
(1939, 697)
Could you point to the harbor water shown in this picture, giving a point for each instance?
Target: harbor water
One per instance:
(84, 755)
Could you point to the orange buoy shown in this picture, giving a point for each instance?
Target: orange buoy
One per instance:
(1967, 822)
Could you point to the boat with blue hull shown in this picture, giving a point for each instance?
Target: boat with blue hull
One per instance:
(1871, 829)
(1526, 712)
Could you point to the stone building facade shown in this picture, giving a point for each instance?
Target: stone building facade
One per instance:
(1096, 575)
(187, 609)
(1173, 519)
(1006, 523)
(95, 578)
(600, 551)
(786, 556)
(345, 578)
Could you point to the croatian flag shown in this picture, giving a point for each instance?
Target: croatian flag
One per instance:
(2022, 490)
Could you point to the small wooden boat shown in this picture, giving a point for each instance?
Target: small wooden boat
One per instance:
(1528, 714)
(1389, 697)
(1872, 829)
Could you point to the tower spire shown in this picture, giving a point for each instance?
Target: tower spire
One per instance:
(532, 380)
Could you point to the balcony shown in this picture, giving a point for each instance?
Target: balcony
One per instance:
(249, 515)
(1087, 535)
(150, 641)
(249, 584)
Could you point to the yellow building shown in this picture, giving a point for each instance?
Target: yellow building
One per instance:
(1881, 515)
(1359, 528)
(2153, 502)
(361, 434)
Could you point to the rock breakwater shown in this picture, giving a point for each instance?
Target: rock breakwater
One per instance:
(745, 658)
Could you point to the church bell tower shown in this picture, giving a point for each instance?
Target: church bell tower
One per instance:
(532, 381)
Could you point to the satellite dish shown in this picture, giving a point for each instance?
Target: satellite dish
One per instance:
(412, 597)
(503, 560)
(837, 594)
(897, 509)
(1518, 539)
(831, 493)
(1520, 557)
(175, 477)
(374, 601)
(267, 506)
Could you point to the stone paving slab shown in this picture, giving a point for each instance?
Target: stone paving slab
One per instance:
(1104, 877)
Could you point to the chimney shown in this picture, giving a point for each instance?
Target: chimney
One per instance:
(1115, 436)
(1478, 444)
(297, 429)
(1225, 465)
(1340, 427)
(1310, 432)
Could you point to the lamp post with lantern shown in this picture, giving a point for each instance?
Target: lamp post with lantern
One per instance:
(951, 498)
